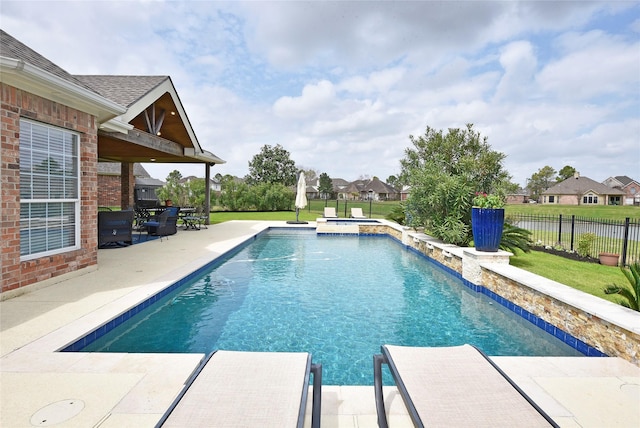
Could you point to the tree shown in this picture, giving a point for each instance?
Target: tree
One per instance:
(394, 182)
(541, 181)
(444, 172)
(235, 195)
(173, 189)
(325, 186)
(272, 165)
(271, 197)
(196, 192)
(310, 175)
(566, 172)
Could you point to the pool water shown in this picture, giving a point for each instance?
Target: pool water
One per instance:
(338, 298)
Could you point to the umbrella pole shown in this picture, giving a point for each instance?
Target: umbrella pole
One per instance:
(297, 213)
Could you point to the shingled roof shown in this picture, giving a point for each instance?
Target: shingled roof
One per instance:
(13, 48)
(124, 90)
(579, 186)
(114, 168)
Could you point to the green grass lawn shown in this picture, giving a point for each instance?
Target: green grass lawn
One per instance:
(610, 212)
(584, 276)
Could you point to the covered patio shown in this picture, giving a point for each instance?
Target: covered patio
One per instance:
(154, 129)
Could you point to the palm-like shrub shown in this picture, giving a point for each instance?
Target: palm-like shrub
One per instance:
(631, 295)
(515, 238)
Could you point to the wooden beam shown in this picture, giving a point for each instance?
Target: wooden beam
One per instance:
(154, 126)
(141, 138)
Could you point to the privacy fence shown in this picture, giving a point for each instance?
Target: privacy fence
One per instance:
(568, 232)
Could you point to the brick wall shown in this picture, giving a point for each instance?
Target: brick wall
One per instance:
(108, 190)
(14, 104)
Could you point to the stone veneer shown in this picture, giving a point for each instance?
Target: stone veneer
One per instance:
(579, 319)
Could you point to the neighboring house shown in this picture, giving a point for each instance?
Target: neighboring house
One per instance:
(404, 193)
(146, 191)
(109, 184)
(629, 186)
(519, 197)
(54, 128)
(339, 186)
(582, 191)
(378, 190)
(373, 189)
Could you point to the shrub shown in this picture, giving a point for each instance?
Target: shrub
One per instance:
(585, 243)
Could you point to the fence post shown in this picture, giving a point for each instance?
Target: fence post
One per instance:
(573, 228)
(370, 202)
(625, 241)
(560, 230)
(345, 208)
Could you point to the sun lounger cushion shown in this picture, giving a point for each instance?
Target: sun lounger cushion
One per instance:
(247, 389)
(330, 212)
(357, 213)
(457, 387)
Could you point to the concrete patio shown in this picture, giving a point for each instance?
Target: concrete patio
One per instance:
(42, 387)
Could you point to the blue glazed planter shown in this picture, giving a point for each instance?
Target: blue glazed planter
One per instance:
(486, 225)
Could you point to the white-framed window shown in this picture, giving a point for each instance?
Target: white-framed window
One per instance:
(590, 199)
(49, 190)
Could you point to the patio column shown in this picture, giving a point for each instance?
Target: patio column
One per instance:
(127, 183)
(207, 192)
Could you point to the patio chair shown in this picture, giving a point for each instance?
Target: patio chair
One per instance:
(248, 389)
(165, 223)
(115, 227)
(454, 386)
(357, 213)
(330, 212)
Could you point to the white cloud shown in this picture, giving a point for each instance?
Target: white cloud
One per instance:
(341, 85)
(592, 64)
(314, 97)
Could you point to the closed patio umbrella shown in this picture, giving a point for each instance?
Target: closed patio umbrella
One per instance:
(301, 197)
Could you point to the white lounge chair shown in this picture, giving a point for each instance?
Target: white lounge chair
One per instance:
(454, 387)
(330, 212)
(357, 213)
(248, 389)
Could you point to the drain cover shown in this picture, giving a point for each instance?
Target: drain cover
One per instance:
(57, 412)
(631, 389)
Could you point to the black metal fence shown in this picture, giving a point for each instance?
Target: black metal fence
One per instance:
(611, 236)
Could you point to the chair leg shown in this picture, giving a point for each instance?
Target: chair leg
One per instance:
(316, 413)
(378, 360)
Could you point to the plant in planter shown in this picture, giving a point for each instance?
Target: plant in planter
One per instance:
(632, 294)
(487, 221)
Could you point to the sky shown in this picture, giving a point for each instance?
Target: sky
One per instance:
(343, 85)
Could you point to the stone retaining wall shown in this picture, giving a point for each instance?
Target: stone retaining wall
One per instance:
(557, 308)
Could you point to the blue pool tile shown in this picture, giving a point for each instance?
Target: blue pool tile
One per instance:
(560, 334)
(582, 347)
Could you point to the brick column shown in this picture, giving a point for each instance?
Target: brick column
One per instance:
(127, 183)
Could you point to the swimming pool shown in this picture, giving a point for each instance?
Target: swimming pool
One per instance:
(339, 298)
